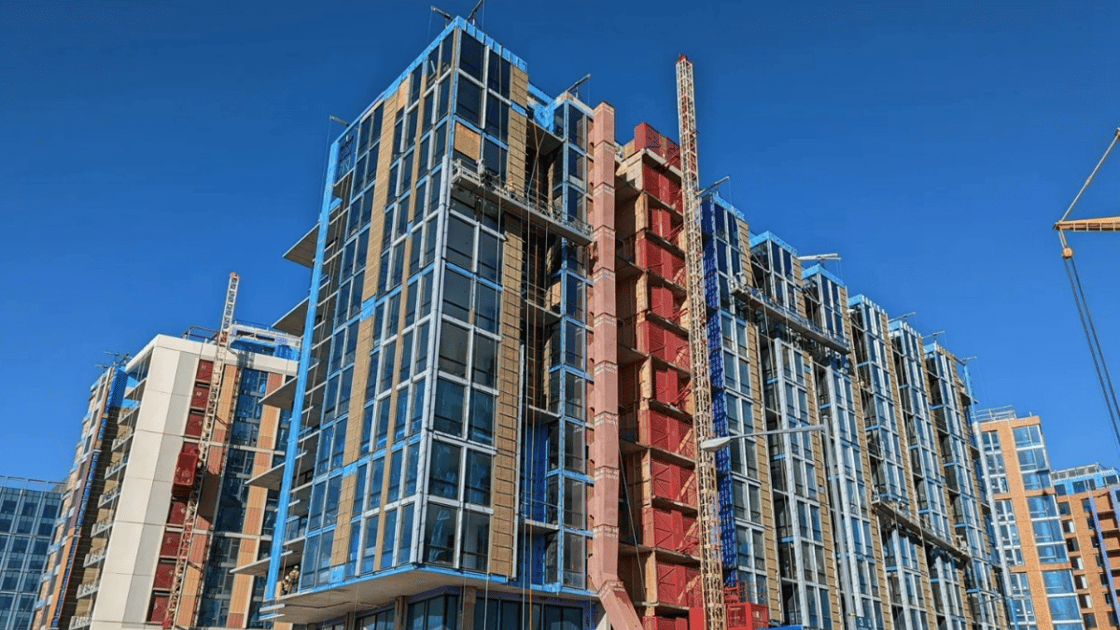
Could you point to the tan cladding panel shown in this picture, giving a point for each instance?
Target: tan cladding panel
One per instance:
(381, 192)
(503, 525)
(519, 86)
(515, 162)
(468, 141)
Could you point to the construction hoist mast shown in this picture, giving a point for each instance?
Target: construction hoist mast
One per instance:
(711, 562)
(1102, 224)
(187, 549)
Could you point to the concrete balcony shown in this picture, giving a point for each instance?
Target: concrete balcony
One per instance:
(87, 589)
(109, 497)
(94, 557)
(121, 441)
(102, 526)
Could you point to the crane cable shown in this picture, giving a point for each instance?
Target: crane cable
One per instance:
(1099, 363)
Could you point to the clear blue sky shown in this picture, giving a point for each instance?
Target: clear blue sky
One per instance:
(149, 148)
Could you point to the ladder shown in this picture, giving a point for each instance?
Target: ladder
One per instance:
(182, 558)
(711, 562)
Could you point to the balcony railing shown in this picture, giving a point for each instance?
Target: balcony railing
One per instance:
(89, 588)
(79, 622)
(93, 558)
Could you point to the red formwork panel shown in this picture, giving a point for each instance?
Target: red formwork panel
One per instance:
(690, 535)
(157, 612)
(666, 432)
(666, 480)
(663, 343)
(661, 187)
(670, 579)
(666, 385)
(747, 616)
(185, 469)
(661, 223)
(658, 529)
(169, 547)
(199, 396)
(670, 529)
(165, 576)
(178, 511)
(691, 589)
(194, 424)
(646, 137)
(205, 371)
(665, 303)
(659, 260)
(688, 492)
(679, 585)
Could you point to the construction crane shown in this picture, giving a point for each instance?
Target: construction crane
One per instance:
(186, 555)
(1102, 224)
(711, 562)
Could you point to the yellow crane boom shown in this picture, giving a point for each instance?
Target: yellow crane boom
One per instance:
(1101, 224)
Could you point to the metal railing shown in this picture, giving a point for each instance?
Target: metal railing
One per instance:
(492, 183)
(791, 317)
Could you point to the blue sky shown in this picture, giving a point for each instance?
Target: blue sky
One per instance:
(149, 148)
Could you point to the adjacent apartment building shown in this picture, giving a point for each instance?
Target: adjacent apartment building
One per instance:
(492, 423)
(1087, 500)
(28, 511)
(1048, 571)
(114, 554)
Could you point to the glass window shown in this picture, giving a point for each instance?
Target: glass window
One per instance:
(476, 540)
(484, 368)
(1028, 436)
(460, 243)
(478, 478)
(489, 256)
(444, 478)
(457, 295)
(440, 534)
(486, 308)
(481, 418)
(497, 77)
(468, 101)
(453, 349)
(449, 407)
(471, 55)
(575, 560)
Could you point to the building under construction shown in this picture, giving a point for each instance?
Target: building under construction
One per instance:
(155, 507)
(493, 423)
